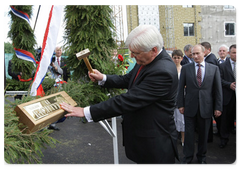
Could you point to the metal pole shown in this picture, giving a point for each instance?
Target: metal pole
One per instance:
(36, 18)
(115, 141)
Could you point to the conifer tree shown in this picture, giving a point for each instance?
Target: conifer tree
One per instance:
(20, 147)
(22, 37)
(89, 27)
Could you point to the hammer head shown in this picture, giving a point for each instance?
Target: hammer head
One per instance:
(82, 54)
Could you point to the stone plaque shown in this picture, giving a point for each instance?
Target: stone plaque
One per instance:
(41, 112)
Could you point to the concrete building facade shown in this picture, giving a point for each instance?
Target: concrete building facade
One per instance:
(218, 25)
(190, 24)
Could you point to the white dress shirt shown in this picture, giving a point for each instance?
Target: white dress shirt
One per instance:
(86, 110)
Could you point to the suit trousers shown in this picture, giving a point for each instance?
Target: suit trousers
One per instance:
(203, 125)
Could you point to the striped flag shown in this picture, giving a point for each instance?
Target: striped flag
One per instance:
(48, 46)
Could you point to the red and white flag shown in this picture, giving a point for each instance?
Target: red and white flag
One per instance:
(48, 47)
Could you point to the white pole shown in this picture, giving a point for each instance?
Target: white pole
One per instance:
(115, 141)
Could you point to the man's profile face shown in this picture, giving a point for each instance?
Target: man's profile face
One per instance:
(143, 58)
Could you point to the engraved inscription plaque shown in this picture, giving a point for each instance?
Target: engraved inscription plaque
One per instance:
(41, 112)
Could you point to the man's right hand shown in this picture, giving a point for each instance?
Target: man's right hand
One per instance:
(95, 76)
(233, 86)
(181, 110)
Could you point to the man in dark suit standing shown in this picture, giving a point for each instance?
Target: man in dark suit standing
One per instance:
(228, 75)
(149, 131)
(188, 55)
(209, 56)
(203, 97)
(59, 64)
(222, 52)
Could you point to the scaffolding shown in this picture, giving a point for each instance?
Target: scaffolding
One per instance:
(169, 18)
(118, 24)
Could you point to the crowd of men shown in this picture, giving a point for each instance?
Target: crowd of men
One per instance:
(208, 94)
(147, 108)
(204, 88)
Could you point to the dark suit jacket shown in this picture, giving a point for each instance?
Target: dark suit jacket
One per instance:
(227, 78)
(211, 59)
(11, 73)
(149, 131)
(208, 97)
(184, 60)
(64, 68)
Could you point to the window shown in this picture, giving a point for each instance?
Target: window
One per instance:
(228, 7)
(229, 29)
(188, 29)
(187, 6)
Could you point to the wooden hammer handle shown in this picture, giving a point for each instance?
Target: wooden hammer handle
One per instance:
(88, 64)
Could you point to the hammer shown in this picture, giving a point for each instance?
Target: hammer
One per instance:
(83, 55)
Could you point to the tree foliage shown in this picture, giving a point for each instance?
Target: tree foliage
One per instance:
(22, 37)
(8, 47)
(89, 27)
(20, 147)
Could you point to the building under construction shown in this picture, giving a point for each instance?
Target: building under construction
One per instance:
(187, 24)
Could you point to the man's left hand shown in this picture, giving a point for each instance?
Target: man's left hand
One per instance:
(217, 113)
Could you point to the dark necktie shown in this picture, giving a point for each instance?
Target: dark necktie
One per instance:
(140, 68)
(58, 61)
(199, 75)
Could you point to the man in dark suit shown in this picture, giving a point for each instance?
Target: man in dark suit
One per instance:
(149, 131)
(209, 56)
(223, 53)
(58, 69)
(188, 55)
(59, 65)
(228, 75)
(203, 97)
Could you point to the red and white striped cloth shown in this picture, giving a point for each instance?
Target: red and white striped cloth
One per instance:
(48, 46)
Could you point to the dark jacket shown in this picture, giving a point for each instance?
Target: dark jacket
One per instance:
(227, 78)
(149, 131)
(207, 98)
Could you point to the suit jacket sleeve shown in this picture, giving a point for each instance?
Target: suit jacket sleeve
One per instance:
(218, 91)
(150, 89)
(223, 69)
(182, 83)
(115, 81)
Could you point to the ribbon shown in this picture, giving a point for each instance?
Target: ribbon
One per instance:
(23, 80)
(25, 55)
(20, 14)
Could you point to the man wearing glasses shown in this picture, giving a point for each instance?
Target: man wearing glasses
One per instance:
(149, 132)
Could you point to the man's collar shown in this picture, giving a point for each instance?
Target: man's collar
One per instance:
(202, 63)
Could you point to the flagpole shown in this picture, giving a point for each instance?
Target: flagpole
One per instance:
(36, 18)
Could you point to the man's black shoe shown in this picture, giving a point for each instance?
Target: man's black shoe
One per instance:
(202, 162)
(184, 162)
(223, 144)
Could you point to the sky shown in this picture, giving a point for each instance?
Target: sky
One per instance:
(40, 25)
